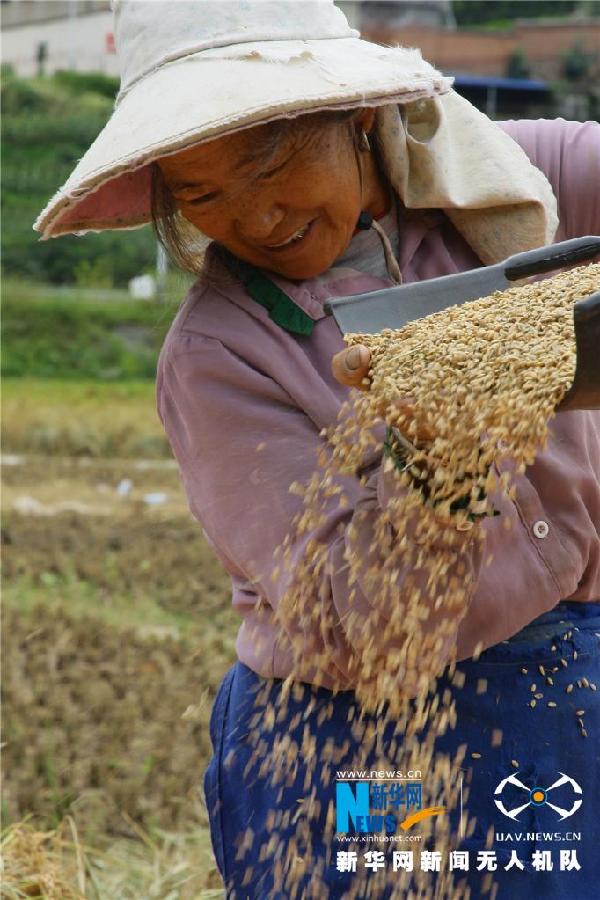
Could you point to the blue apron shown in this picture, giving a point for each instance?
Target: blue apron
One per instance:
(534, 793)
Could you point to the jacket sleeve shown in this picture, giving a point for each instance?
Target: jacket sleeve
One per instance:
(241, 442)
(568, 153)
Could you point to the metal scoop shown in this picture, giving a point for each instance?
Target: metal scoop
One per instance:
(394, 307)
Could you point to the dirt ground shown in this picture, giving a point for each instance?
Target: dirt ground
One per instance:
(117, 631)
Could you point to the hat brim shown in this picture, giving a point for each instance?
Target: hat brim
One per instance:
(210, 94)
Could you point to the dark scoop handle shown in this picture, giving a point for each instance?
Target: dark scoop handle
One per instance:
(555, 256)
(584, 393)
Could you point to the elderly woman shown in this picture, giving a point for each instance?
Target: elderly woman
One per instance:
(320, 165)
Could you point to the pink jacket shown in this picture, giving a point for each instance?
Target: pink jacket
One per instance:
(243, 400)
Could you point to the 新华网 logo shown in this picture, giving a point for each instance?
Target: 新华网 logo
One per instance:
(372, 806)
(367, 806)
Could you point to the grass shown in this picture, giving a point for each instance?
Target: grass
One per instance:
(83, 598)
(83, 333)
(56, 864)
(82, 418)
(117, 630)
(69, 337)
(22, 291)
(107, 698)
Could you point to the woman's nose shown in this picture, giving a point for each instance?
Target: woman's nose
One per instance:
(258, 221)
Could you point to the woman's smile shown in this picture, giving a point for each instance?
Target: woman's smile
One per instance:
(296, 242)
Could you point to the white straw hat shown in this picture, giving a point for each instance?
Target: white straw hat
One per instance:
(196, 70)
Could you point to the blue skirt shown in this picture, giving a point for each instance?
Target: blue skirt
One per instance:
(533, 793)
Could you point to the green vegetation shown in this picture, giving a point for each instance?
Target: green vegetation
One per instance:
(517, 65)
(82, 418)
(77, 334)
(502, 13)
(47, 125)
(576, 63)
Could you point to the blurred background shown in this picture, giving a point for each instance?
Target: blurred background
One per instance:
(116, 621)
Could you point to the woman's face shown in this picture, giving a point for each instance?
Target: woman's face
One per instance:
(296, 214)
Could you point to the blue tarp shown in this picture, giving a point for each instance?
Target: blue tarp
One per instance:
(509, 84)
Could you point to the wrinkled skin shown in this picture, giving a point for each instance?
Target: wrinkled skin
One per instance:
(314, 179)
(246, 204)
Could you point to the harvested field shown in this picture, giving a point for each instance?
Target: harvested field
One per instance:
(117, 632)
(81, 418)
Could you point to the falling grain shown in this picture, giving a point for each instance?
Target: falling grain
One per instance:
(496, 737)
(484, 380)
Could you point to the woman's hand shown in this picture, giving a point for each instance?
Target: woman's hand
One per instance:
(351, 367)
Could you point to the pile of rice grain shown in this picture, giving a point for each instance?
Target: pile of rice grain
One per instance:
(484, 378)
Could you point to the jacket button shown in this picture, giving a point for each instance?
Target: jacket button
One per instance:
(541, 529)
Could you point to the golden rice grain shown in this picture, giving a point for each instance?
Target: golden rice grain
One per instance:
(496, 737)
(470, 392)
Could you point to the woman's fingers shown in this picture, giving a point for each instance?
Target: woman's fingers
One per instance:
(350, 366)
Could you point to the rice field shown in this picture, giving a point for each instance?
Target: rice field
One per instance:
(117, 630)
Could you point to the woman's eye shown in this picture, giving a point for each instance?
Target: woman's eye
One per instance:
(275, 170)
(205, 198)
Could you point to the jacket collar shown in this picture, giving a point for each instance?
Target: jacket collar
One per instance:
(310, 295)
(297, 305)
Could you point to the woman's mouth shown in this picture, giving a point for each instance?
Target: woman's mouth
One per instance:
(293, 241)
